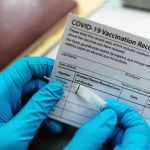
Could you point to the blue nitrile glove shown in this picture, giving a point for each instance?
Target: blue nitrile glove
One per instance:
(134, 132)
(119, 125)
(18, 125)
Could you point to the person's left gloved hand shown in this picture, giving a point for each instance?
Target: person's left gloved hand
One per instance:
(18, 123)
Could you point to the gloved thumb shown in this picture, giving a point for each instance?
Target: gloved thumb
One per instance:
(95, 133)
(28, 120)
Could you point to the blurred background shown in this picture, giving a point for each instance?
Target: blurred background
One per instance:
(35, 27)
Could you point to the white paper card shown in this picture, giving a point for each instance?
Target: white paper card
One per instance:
(112, 63)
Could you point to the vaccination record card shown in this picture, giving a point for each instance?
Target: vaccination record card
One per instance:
(113, 64)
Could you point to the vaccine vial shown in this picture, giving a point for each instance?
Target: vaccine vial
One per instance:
(89, 96)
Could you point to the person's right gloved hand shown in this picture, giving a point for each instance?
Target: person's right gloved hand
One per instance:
(119, 124)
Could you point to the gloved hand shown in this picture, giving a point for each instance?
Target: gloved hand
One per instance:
(118, 125)
(18, 125)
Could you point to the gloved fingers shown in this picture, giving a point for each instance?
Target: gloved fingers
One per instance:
(24, 69)
(133, 125)
(94, 133)
(33, 86)
(116, 137)
(28, 120)
(53, 126)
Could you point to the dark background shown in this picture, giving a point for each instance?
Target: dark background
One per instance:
(46, 140)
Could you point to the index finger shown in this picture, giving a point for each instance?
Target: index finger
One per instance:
(24, 69)
(136, 130)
